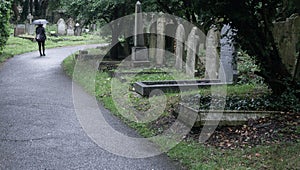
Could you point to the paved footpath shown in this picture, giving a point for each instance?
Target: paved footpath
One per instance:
(38, 124)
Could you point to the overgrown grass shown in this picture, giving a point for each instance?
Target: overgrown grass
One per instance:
(16, 45)
(192, 154)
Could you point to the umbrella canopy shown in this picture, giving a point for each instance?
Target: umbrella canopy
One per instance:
(40, 21)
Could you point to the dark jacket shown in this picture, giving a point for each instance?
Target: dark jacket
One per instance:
(40, 33)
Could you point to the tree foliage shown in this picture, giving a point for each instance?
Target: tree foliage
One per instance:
(254, 23)
(253, 20)
(4, 22)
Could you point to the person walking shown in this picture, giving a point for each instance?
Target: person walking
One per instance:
(41, 38)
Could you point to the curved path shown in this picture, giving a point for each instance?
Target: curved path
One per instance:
(38, 124)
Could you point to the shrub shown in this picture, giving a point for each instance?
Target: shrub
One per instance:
(4, 22)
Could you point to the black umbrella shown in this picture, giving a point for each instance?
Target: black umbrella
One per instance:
(40, 21)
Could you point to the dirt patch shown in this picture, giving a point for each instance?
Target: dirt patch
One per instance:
(280, 128)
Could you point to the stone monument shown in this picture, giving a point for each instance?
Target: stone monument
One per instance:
(161, 40)
(19, 29)
(139, 51)
(29, 26)
(212, 54)
(61, 27)
(70, 27)
(228, 56)
(78, 30)
(180, 40)
(192, 51)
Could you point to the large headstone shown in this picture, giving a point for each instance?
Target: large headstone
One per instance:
(212, 54)
(192, 50)
(287, 35)
(70, 27)
(228, 56)
(161, 41)
(19, 29)
(180, 38)
(139, 51)
(61, 27)
(152, 41)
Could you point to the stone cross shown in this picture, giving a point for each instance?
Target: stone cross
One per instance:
(30, 17)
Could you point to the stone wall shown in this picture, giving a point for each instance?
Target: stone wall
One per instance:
(287, 37)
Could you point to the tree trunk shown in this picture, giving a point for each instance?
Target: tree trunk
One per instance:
(37, 9)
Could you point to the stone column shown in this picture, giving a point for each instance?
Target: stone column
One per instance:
(139, 51)
(138, 27)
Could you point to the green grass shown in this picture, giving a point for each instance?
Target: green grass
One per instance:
(191, 154)
(16, 45)
(277, 156)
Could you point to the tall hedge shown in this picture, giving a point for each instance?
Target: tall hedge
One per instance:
(4, 22)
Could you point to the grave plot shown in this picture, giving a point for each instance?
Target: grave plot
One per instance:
(146, 87)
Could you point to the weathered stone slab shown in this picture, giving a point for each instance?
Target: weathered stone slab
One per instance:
(220, 117)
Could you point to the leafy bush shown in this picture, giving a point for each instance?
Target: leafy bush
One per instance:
(246, 70)
(4, 23)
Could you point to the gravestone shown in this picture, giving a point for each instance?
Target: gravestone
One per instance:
(286, 36)
(192, 50)
(70, 27)
(139, 51)
(30, 29)
(61, 27)
(212, 54)
(161, 41)
(228, 55)
(180, 38)
(78, 30)
(19, 29)
(152, 41)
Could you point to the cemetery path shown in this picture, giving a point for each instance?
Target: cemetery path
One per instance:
(38, 124)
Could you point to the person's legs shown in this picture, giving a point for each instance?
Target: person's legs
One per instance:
(43, 45)
(40, 44)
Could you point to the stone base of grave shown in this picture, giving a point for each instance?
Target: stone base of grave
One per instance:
(70, 32)
(146, 87)
(218, 117)
(139, 57)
